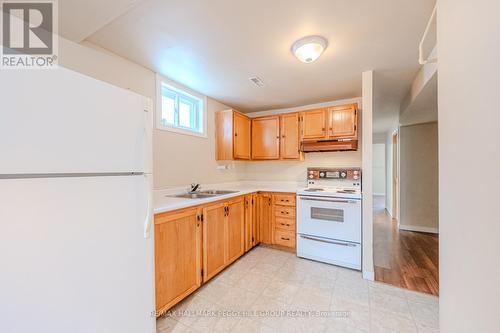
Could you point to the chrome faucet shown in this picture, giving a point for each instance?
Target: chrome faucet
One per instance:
(195, 187)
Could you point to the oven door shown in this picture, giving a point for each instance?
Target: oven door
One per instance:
(334, 218)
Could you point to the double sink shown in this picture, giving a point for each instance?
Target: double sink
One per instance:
(202, 194)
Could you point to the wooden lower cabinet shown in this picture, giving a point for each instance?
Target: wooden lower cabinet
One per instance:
(214, 239)
(235, 222)
(284, 238)
(177, 275)
(284, 216)
(252, 236)
(223, 235)
(265, 213)
(193, 244)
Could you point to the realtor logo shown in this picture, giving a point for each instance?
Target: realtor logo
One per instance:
(29, 34)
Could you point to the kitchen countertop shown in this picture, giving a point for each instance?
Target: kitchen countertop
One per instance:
(163, 202)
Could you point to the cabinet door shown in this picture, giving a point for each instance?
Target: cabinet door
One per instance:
(265, 138)
(235, 229)
(249, 216)
(290, 137)
(214, 240)
(255, 220)
(177, 256)
(343, 122)
(224, 135)
(251, 225)
(265, 218)
(241, 144)
(314, 124)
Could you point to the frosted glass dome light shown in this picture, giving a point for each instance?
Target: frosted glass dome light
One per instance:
(309, 48)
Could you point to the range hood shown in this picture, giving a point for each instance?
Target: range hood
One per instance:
(331, 145)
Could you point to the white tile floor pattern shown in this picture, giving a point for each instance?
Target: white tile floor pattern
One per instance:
(271, 280)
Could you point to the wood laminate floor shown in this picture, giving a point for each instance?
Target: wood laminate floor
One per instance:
(404, 259)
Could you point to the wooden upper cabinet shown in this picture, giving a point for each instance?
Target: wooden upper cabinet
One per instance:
(235, 229)
(214, 240)
(266, 138)
(232, 136)
(242, 132)
(343, 122)
(290, 137)
(313, 125)
(177, 275)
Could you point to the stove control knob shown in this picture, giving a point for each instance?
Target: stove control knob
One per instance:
(311, 176)
(343, 174)
(355, 177)
(322, 174)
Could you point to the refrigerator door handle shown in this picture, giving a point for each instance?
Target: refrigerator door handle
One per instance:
(147, 221)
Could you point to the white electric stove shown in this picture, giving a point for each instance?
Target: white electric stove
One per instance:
(329, 217)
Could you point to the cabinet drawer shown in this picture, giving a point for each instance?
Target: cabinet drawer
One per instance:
(284, 238)
(284, 211)
(286, 224)
(284, 199)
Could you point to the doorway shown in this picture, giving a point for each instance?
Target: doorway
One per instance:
(406, 254)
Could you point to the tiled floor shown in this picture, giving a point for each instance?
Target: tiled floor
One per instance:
(271, 280)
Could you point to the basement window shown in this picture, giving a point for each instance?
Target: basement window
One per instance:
(179, 109)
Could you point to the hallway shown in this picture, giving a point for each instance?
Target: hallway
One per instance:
(405, 259)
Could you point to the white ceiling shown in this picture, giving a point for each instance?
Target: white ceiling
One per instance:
(215, 46)
(78, 19)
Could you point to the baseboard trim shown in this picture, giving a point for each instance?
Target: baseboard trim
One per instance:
(419, 229)
(369, 275)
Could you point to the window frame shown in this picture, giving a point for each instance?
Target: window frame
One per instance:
(192, 96)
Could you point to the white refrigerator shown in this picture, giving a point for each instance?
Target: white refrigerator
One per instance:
(76, 244)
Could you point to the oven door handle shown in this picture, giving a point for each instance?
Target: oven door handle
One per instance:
(329, 200)
(328, 241)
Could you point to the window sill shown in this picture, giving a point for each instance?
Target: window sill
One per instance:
(182, 131)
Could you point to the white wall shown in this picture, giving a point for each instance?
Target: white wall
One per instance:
(367, 157)
(379, 169)
(178, 159)
(418, 177)
(183, 159)
(469, 159)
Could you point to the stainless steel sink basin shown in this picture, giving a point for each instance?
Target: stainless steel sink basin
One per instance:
(193, 195)
(217, 192)
(202, 194)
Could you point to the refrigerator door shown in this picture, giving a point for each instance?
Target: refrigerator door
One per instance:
(60, 121)
(73, 255)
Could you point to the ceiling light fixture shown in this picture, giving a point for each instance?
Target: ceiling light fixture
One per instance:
(309, 48)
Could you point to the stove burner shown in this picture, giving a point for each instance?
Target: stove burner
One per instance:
(314, 190)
